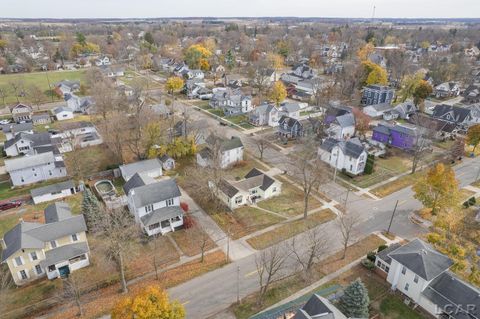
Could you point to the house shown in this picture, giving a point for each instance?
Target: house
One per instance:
(446, 90)
(472, 52)
(21, 113)
(151, 168)
(79, 104)
(155, 204)
(267, 76)
(102, 61)
(264, 114)
(378, 59)
(349, 156)
(168, 163)
(229, 152)
(35, 168)
(422, 275)
(318, 307)
(53, 192)
(11, 130)
(67, 86)
(62, 113)
(233, 81)
(26, 143)
(303, 71)
(377, 94)
(195, 74)
(81, 133)
(403, 136)
(462, 116)
(383, 261)
(289, 109)
(472, 94)
(254, 187)
(405, 110)
(289, 127)
(232, 102)
(113, 72)
(55, 249)
(378, 110)
(41, 119)
(343, 127)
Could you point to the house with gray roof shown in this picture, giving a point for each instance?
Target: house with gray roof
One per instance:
(422, 275)
(254, 187)
(221, 152)
(151, 168)
(79, 104)
(290, 109)
(342, 127)
(27, 144)
(53, 249)
(12, 129)
(231, 102)
(154, 204)
(318, 307)
(41, 118)
(21, 113)
(377, 94)
(346, 155)
(62, 113)
(264, 114)
(53, 192)
(35, 168)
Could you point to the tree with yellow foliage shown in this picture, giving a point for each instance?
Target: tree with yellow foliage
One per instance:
(87, 47)
(275, 61)
(373, 74)
(278, 93)
(438, 188)
(409, 84)
(174, 84)
(149, 303)
(364, 52)
(197, 56)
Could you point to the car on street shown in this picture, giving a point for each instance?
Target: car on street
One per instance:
(10, 204)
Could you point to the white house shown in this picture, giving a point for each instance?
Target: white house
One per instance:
(62, 113)
(195, 74)
(343, 127)
(26, 143)
(264, 114)
(422, 275)
(232, 102)
(255, 186)
(446, 89)
(221, 152)
(349, 155)
(21, 113)
(154, 204)
(12, 129)
(53, 192)
(35, 168)
(377, 110)
(104, 60)
(152, 168)
(290, 109)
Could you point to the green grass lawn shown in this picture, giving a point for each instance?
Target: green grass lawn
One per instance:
(216, 112)
(40, 79)
(290, 229)
(7, 192)
(392, 307)
(290, 202)
(90, 160)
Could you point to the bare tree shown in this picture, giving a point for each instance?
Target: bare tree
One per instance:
(3, 95)
(72, 291)
(200, 236)
(36, 95)
(17, 87)
(105, 97)
(262, 145)
(5, 285)
(269, 263)
(346, 222)
(113, 134)
(313, 246)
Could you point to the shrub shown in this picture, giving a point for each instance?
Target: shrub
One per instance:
(188, 221)
(381, 247)
(368, 264)
(184, 207)
(434, 238)
(371, 256)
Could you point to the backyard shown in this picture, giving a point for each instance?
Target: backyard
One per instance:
(89, 160)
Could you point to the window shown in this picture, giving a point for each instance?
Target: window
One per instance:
(74, 237)
(148, 208)
(23, 274)
(274, 190)
(238, 199)
(165, 223)
(404, 270)
(415, 279)
(53, 244)
(379, 263)
(406, 286)
(153, 226)
(18, 261)
(51, 268)
(33, 255)
(254, 191)
(170, 202)
(38, 269)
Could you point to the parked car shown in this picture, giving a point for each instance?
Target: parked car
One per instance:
(3, 122)
(10, 204)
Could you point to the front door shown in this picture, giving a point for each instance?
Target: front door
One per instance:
(64, 271)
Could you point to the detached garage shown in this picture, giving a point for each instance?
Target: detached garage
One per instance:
(53, 192)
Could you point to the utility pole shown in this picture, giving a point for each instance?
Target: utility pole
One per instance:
(238, 284)
(391, 219)
(336, 165)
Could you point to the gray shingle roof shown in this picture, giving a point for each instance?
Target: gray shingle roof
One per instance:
(56, 212)
(161, 214)
(64, 253)
(383, 255)
(422, 259)
(346, 120)
(227, 188)
(52, 188)
(29, 161)
(156, 192)
(61, 109)
(21, 127)
(352, 147)
(134, 182)
(141, 167)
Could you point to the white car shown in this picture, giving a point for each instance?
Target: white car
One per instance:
(3, 122)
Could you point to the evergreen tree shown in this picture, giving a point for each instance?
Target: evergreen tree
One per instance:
(355, 300)
(230, 59)
(90, 208)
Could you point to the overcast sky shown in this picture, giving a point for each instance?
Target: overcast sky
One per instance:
(236, 8)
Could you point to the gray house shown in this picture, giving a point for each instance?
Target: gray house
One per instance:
(264, 114)
(289, 127)
(35, 168)
(25, 143)
(231, 102)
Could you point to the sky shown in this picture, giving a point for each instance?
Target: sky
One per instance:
(238, 8)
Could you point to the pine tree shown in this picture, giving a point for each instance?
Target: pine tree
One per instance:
(90, 208)
(355, 300)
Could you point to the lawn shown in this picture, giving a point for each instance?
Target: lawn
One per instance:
(40, 79)
(7, 192)
(245, 220)
(392, 307)
(396, 185)
(241, 120)
(187, 243)
(290, 229)
(90, 160)
(240, 169)
(290, 202)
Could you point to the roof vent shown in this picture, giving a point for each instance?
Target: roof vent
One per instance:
(424, 251)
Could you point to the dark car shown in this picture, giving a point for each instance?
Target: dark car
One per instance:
(9, 205)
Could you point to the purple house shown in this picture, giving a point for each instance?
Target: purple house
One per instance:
(399, 136)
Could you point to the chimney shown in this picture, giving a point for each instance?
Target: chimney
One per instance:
(2, 242)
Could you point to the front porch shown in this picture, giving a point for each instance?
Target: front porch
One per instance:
(61, 261)
(163, 220)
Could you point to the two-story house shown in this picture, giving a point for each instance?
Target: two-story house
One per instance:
(25, 143)
(463, 117)
(154, 204)
(221, 152)
(343, 127)
(264, 115)
(56, 248)
(104, 60)
(289, 109)
(21, 113)
(377, 94)
(422, 275)
(446, 90)
(231, 102)
(290, 128)
(12, 129)
(403, 136)
(35, 168)
(255, 186)
(349, 155)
